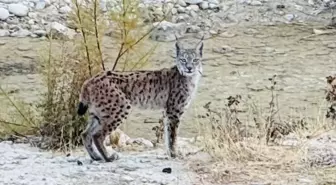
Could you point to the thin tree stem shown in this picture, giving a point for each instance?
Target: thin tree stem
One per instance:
(84, 37)
(97, 34)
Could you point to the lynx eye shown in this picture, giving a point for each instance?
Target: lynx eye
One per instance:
(183, 60)
(196, 60)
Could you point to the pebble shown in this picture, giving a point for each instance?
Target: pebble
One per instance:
(79, 163)
(193, 1)
(256, 3)
(167, 170)
(227, 35)
(2, 43)
(174, 11)
(289, 17)
(212, 6)
(127, 178)
(213, 1)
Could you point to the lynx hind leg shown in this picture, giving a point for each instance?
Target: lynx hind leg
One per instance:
(87, 138)
(114, 155)
(113, 113)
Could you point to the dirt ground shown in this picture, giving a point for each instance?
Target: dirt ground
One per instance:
(253, 54)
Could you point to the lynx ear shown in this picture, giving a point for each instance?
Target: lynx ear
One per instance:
(199, 47)
(178, 46)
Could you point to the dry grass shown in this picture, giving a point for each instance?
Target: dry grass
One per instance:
(65, 65)
(262, 148)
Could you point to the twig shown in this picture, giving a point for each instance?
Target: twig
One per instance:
(122, 52)
(16, 107)
(97, 34)
(16, 124)
(84, 36)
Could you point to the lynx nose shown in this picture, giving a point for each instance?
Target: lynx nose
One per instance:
(189, 69)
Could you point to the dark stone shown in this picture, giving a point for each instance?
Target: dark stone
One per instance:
(167, 170)
(79, 163)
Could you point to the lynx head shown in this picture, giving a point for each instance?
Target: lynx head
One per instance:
(189, 60)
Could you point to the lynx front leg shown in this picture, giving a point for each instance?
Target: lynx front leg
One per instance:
(171, 127)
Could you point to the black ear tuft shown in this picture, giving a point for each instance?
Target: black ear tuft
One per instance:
(178, 46)
(199, 48)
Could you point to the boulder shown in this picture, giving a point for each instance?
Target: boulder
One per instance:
(19, 10)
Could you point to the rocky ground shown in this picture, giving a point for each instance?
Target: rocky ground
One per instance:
(36, 18)
(21, 164)
(249, 47)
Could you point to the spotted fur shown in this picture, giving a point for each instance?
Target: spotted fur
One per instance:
(110, 96)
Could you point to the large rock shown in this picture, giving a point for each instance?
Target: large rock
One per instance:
(166, 31)
(19, 10)
(4, 14)
(321, 151)
(59, 31)
(21, 33)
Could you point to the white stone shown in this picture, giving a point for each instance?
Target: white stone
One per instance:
(204, 5)
(182, 3)
(18, 9)
(213, 2)
(21, 33)
(174, 11)
(290, 17)
(194, 1)
(41, 4)
(181, 10)
(60, 31)
(311, 2)
(64, 10)
(4, 33)
(32, 15)
(194, 8)
(256, 3)
(212, 6)
(9, 1)
(40, 33)
(4, 14)
(31, 22)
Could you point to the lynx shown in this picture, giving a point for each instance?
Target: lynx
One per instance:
(109, 97)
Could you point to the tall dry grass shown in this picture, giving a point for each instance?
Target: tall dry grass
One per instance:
(253, 146)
